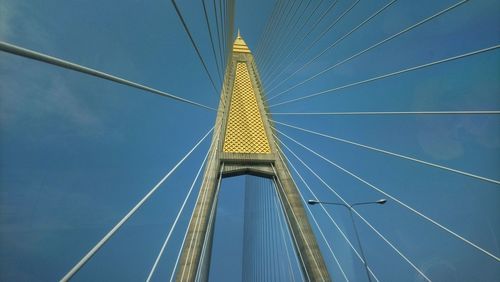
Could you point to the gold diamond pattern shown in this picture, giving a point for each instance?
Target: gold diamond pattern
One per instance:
(245, 130)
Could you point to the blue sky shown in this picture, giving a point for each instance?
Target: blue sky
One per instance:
(76, 152)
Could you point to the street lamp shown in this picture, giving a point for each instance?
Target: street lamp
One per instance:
(349, 207)
(380, 202)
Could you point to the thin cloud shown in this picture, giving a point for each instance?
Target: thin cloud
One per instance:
(6, 14)
(38, 98)
(32, 94)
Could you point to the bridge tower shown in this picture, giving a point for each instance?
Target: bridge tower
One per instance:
(243, 143)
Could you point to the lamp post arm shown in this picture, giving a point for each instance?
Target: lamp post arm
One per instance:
(380, 202)
(363, 203)
(336, 204)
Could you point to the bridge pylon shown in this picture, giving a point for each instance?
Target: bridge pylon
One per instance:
(244, 143)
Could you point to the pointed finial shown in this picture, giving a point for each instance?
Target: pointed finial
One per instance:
(239, 45)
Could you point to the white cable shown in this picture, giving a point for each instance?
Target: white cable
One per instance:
(280, 186)
(185, 236)
(293, 42)
(176, 219)
(314, 218)
(209, 230)
(376, 45)
(373, 228)
(301, 231)
(393, 154)
(323, 33)
(390, 113)
(283, 235)
(319, 19)
(23, 52)
(337, 42)
(198, 220)
(389, 75)
(267, 232)
(89, 255)
(396, 200)
(214, 142)
(326, 212)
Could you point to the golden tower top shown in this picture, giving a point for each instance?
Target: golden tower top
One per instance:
(239, 45)
(245, 130)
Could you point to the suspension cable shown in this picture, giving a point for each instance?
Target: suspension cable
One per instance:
(389, 113)
(268, 233)
(151, 272)
(222, 28)
(261, 235)
(394, 199)
(23, 52)
(392, 153)
(281, 223)
(371, 226)
(281, 36)
(380, 77)
(248, 257)
(96, 248)
(278, 66)
(210, 226)
(285, 38)
(279, 185)
(318, 21)
(284, 12)
(218, 32)
(185, 235)
(198, 223)
(304, 24)
(231, 32)
(203, 197)
(378, 12)
(219, 71)
(314, 258)
(314, 218)
(323, 34)
(263, 38)
(186, 29)
(377, 44)
(317, 6)
(262, 46)
(326, 212)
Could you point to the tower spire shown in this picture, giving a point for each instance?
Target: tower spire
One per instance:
(240, 45)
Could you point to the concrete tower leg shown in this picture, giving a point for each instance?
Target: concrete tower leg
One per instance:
(189, 264)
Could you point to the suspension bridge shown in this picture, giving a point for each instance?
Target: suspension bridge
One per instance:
(274, 151)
